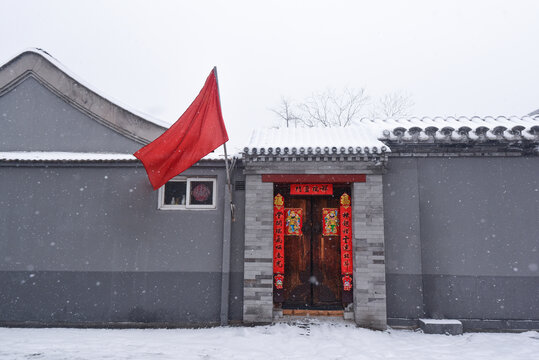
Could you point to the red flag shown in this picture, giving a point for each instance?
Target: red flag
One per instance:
(199, 131)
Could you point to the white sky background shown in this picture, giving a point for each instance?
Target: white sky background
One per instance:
(453, 57)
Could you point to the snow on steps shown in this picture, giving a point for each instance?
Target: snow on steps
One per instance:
(441, 326)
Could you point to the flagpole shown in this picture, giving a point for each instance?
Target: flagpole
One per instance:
(224, 147)
(227, 232)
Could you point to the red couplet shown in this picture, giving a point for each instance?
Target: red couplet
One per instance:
(346, 235)
(278, 240)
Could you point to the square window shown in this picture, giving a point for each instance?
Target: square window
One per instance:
(175, 193)
(201, 193)
(188, 193)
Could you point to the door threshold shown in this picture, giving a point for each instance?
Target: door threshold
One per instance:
(311, 312)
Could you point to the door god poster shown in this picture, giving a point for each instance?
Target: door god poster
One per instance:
(330, 219)
(293, 221)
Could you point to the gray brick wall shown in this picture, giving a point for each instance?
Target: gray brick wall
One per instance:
(369, 256)
(368, 226)
(258, 271)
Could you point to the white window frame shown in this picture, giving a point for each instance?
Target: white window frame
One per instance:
(188, 206)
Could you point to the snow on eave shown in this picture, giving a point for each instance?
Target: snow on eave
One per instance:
(315, 141)
(75, 77)
(374, 136)
(461, 129)
(51, 73)
(64, 156)
(219, 153)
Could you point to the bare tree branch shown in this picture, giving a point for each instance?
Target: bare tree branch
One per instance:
(394, 105)
(286, 113)
(329, 109)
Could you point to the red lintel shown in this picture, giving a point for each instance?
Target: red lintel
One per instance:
(313, 178)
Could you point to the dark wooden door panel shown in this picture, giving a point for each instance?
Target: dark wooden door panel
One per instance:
(326, 258)
(312, 261)
(297, 290)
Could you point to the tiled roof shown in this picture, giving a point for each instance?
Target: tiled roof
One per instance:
(461, 129)
(323, 141)
(375, 136)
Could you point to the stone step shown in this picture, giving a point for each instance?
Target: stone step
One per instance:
(441, 326)
(305, 312)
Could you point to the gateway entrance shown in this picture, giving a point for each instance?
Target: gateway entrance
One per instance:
(309, 272)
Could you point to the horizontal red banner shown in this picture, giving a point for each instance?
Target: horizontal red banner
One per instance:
(311, 189)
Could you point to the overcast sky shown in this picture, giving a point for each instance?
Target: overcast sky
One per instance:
(453, 57)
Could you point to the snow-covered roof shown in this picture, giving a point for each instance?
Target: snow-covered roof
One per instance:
(49, 71)
(376, 136)
(75, 77)
(111, 113)
(61, 156)
(457, 129)
(323, 141)
(56, 156)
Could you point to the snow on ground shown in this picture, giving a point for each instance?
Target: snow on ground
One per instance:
(308, 341)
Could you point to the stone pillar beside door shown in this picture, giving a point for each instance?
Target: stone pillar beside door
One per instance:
(258, 262)
(369, 257)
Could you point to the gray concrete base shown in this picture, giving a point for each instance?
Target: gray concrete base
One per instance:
(277, 314)
(100, 299)
(444, 326)
(402, 323)
(349, 312)
(500, 325)
(474, 325)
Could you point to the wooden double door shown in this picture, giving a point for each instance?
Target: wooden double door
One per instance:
(312, 261)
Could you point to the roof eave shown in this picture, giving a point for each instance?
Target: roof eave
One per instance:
(58, 79)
